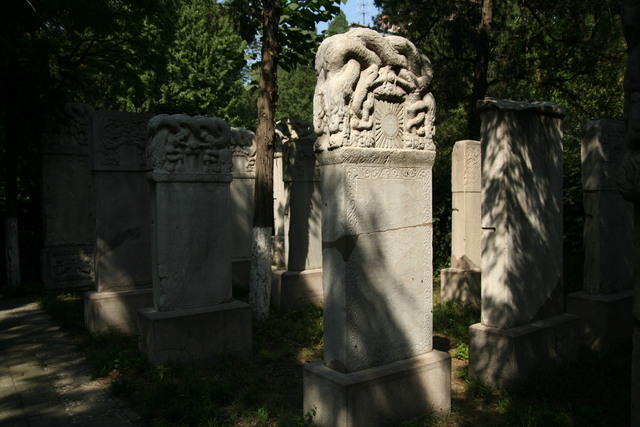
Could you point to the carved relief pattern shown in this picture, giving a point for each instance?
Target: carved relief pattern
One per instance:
(185, 144)
(472, 168)
(372, 92)
(69, 126)
(117, 133)
(70, 264)
(243, 144)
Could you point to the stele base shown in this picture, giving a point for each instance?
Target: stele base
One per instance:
(294, 289)
(195, 335)
(501, 357)
(384, 395)
(115, 310)
(460, 285)
(606, 321)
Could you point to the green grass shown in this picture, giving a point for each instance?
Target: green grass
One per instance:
(266, 390)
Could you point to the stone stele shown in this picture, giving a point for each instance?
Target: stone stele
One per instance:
(461, 282)
(67, 199)
(194, 317)
(374, 116)
(297, 217)
(522, 323)
(243, 148)
(605, 303)
(122, 206)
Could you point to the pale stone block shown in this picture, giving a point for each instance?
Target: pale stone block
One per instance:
(521, 212)
(466, 200)
(123, 242)
(606, 320)
(105, 311)
(194, 317)
(502, 356)
(294, 289)
(608, 261)
(460, 285)
(380, 396)
(67, 199)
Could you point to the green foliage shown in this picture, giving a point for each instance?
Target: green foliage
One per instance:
(338, 25)
(453, 320)
(295, 92)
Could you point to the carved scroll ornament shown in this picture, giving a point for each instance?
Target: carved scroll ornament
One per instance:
(372, 92)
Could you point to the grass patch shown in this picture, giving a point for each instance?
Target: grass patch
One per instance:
(453, 320)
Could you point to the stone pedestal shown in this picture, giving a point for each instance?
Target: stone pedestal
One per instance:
(522, 237)
(605, 304)
(122, 239)
(297, 212)
(243, 147)
(461, 282)
(375, 152)
(399, 390)
(193, 317)
(67, 200)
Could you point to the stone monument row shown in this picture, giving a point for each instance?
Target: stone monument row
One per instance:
(461, 282)
(605, 303)
(629, 179)
(523, 326)
(122, 212)
(374, 116)
(297, 217)
(193, 317)
(67, 199)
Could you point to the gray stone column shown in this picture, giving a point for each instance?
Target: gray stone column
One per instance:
(243, 147)
(194, 316)
(522, 324)
(67, 199)
(375, 155)
(122, 239)
(461, 282)
(605, 303)
(298, 279)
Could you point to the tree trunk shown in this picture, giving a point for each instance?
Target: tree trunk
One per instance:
(483, 52)
(261, 250)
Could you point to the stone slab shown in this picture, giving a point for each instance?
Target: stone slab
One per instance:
(502, 357)
(521, 212)
(240, 273)
(68, 266)
(385, 395)
(460, 285)
(195, 335)
(294, 289)
(105, 311)
(635, 377)
(606, 321)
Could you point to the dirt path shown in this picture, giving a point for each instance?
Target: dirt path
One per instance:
(44, 380)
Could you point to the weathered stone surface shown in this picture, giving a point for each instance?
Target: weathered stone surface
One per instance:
(460, 285)
(295, 289)
(374, 118)
(105, 311)
(521, 212)
(243, 147)
(606, 320)
(123, 244)
(608, 262)
(197, 334)
(465, 213)
(503, 356)
(67, 199)
(194, 317)
(380, 396)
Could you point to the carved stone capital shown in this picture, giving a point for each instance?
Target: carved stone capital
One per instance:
(372, 92)
(186, 144)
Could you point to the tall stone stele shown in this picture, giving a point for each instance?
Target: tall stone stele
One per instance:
(374, 116)
(297, 279)
(461, 282)
(523, 326)
(605, 303)
(122, 232)
(194, 317)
